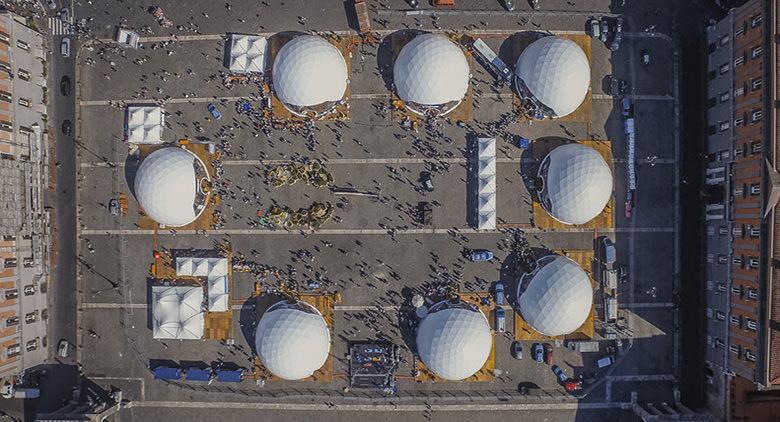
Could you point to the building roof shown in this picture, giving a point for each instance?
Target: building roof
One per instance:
(431, 70)
(577, 183)
(558, 297)
(292, 340)
(556, 72)
(166, 186)
(308, 71)
(177, 312)
(454, 341)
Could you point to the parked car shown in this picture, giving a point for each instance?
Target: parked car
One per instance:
(500, 298)
(645, 55)
(65, 86)
(66, 127)
(562, 377)
(424, 213)
(214, 112)
(65, 47)
(500, 320)
(537, 351)
(594, 28)
(29, 289)
(65, 15)
(517, 350)
(477, 255)
(629, 205)
(605, 361)
(535, 4)
(63, 348)
(425, 179)
(113, 207)
(509, 5)
(548, 353)
(52, 4)
(615, 44)
(604, 29)
(608, 253)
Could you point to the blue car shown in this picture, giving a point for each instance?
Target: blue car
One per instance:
(562, 377)
(480, 255)
(214, 112)
(537, 351)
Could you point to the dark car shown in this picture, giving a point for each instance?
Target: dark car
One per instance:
(424, 213)
(214, 111)
(517, 350)
(65, 86)
(113, 207)
(425, 179)
(548, 353)
(66, 127)
(537, 351)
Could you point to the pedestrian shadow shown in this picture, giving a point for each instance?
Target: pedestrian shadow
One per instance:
(131, 169)
(408, 320)
(247, 320)
(472, 179)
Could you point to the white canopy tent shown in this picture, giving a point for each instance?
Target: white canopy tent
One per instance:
(177, 312)
(487, 184)
(247, 53)
(201, 267)
(219, 300)
(144, 125)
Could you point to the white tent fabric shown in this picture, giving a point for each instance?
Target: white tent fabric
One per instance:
(308, 71)
(165, 186)
(431, 70)
(558, 297)
(577, 183)
(557, 73)
(454, 342)
(144, 125)
(292, 340)
(218, 294)
(177, 312)
(487, 184)
(247, 53)
(201, 267)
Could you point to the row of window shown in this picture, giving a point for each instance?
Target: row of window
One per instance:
(755, 52)
(742, 352)
(724, 125)
(724, 40)
(742, 190)
(740, 231)
(743, 322)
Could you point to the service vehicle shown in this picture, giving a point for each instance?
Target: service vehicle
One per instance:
(214, 111)
(425, 179)
(63, 348)
(593, 27)
(500, 320)
(517, 350)
(537, 351)
(500, 298)
(65, 47)
(493, 62)
(604, 29)
(478, 255)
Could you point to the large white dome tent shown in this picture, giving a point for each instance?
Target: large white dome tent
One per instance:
(292, 340)
(454, 340)
(309, 71)
(555, 72)
(167, 186)
(557, 297)
(576, 183)
(431, 73)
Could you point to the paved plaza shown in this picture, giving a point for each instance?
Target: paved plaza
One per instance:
(373, 251)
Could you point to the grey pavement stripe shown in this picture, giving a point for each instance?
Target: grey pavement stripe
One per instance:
(357, 308)
(356, 232)
(634, 97)
(634, 378)
(114, 305)
(647, 305)
(85, 103)
(346, 161)
(568, 405)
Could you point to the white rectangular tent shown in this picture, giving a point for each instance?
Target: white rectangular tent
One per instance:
(201, 267)
(177, 312)
(487, 184)
(218, 294)
(247, 53)
(144, 125)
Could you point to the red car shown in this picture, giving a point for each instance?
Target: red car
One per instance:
(629, 210)
(548, 353)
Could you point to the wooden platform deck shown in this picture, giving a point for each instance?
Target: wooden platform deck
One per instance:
(341, 112)
(584, 112)
(524, 332)
(542, 218)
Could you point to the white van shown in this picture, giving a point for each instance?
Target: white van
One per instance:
(65, 47)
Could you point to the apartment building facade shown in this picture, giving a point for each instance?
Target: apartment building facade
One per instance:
(24, 228)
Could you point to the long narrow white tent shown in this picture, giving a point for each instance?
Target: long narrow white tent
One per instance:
(144, 125)
(177, 312)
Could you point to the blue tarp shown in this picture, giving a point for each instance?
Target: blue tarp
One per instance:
(229, 376)
(167, 373)
(195, 374)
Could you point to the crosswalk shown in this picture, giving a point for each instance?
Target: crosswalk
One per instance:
(58, 27)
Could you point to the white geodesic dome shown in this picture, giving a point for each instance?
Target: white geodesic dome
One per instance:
(308, 71)
(454, 341)
(292, 340)
(577, 183)
(556, 72)
(431, 70)
(166, 186)
(558, 298)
